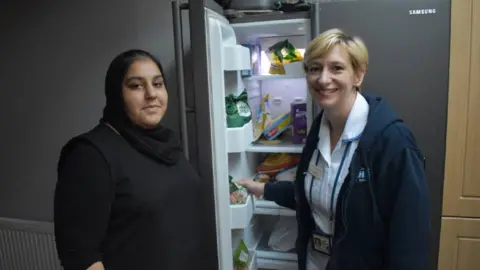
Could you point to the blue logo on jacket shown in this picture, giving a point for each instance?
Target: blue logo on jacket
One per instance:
(361, 177)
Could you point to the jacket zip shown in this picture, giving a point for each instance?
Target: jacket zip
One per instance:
(346, 197)
(344, 208)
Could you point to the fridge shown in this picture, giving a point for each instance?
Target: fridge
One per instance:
(408, 42)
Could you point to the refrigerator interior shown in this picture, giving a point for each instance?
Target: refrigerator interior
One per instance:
(268, 230)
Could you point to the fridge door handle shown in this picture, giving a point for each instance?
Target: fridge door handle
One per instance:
(177, 8)
(315, 19)
(314, 32)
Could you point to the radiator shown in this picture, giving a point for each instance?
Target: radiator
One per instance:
(27, 245)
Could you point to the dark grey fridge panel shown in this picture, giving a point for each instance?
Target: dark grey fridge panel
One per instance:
(200, 83)
(196, 114)
(408, 44)
(212, 5)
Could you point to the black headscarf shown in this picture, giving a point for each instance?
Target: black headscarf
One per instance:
(159, 143)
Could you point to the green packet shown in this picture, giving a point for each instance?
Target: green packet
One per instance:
(233, 185)
(237, 109)
(284, 50)
(241, 257)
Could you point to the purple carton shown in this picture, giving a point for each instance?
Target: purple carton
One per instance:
(299, 122)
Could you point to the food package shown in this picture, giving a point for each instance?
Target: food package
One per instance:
(299, 122)
(287, 174)
(262, 178)
(263, 115)
(241, 257)
(283, 52)
(266, 128)
(238, 194)
(276, 66)
(276, 126)
(237, 109)
(277, 162)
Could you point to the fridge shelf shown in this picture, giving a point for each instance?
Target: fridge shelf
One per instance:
(264, 252)
(252, 265)
(241, 214)
(237, 57)
(239, 139)
(283, 147)
(263, 207)
(274, 77)
(250, 31)
(276, 264)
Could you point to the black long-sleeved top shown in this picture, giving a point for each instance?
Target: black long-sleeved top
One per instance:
(118, 206)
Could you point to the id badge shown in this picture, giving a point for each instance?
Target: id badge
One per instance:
(322, 243)
(315, 171)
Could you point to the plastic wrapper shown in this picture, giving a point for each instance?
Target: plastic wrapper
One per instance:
(238, 194)
(268, 129)
(241, 257)
(263, 115)
(277, 162)
(283, 235)
(283, 52)
(237, 109)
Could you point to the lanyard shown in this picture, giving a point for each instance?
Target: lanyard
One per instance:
(335, 183)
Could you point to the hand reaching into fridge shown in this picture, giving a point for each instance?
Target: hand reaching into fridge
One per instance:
(253, 187)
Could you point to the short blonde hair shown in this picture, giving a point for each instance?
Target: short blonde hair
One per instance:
(325, 42)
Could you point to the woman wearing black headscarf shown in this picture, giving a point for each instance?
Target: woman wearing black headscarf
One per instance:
(126, 197)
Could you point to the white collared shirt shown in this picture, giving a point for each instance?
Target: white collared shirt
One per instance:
(329, 163)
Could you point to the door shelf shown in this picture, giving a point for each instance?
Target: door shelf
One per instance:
(263, 207)
(283, 147)
(239, 139)
(237, 58)
(241, 214)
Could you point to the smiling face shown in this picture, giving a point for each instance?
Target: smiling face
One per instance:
(332, 79)
(144, 93)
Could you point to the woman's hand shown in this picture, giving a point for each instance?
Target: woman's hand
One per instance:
(253, 187)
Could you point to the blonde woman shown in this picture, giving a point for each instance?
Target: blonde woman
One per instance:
(360, 192)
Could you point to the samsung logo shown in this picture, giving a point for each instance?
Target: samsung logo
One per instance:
(422, 11)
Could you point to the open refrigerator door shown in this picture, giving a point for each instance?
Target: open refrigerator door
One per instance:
(252, 104)
(260, 115)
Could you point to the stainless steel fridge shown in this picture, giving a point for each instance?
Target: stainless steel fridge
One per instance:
(408, 42)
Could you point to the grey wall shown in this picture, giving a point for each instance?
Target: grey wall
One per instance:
(53, 60)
